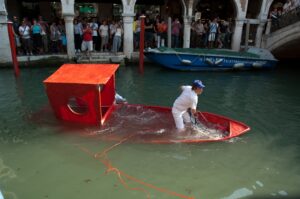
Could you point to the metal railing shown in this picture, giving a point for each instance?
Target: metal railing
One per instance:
(286, 19)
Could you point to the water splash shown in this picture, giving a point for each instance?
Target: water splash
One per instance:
(6, 172)
(240, 193)
(202, 131)
(150, 125)
(259, 183)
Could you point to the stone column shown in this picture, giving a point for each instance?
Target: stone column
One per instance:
(68, 14)
(70, 35)
(169, 32)
(263, 19)
(187, 20)
(268, 28)
(5, 55)
(259, 34)
(128, 34)
(247, 34)
(237, 35)
(186, 31)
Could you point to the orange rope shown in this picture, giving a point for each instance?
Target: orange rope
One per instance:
(102, 156)
(111, 168)
(104, 152)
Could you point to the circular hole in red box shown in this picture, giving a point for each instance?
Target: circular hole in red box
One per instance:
(77, 106)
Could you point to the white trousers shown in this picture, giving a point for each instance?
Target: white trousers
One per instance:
(180, 117)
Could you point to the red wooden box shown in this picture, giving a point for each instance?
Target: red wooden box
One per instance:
(83, 93)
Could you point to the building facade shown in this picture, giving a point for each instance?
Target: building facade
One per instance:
(252, 12)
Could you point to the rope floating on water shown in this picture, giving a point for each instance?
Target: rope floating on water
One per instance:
(102, 157)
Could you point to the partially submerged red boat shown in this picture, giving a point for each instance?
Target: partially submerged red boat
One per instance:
(155, 124)
(85, 93)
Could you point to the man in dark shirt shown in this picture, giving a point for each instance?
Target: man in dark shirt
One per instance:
(149, 31)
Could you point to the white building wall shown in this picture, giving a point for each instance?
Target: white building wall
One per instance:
(5, 52)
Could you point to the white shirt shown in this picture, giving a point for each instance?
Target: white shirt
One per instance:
(118, 32)
(213, 27)
(94, 27)
(24, 31)
(112, 28)
(199, 28)
(187, 99)
(78, 29)
(104, 30)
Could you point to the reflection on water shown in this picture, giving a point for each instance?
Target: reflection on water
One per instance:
(41, 157)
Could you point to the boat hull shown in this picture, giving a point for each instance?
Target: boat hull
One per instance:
(155, 124)
(206, 62)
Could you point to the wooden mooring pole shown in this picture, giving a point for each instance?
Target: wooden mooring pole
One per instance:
(13, 48)
(142, 40)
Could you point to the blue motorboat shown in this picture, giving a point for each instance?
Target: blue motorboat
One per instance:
(196, 59)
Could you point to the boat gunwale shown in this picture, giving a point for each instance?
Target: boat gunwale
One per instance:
(210, 55)
(246, 128)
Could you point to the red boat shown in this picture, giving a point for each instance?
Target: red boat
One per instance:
(85, 93)
(155, 124)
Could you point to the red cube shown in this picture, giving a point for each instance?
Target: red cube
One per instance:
(83, 93)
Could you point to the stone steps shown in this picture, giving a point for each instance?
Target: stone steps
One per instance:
(101, 58)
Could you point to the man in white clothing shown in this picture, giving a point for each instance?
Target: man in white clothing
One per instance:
(188, 99)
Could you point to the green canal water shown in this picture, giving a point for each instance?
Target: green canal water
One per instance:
(42, 158)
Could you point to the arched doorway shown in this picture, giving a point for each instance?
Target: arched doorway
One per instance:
(215, 15)
(174, 9)
(224, 9)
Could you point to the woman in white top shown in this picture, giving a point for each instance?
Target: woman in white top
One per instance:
(188, 99)
(103, 32)
(24, 31)
(117, 38)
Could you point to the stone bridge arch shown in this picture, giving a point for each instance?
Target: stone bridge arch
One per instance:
(285, 40)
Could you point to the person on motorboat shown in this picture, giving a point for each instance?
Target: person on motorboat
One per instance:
(188, 99)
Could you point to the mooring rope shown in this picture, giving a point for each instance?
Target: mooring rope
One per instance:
(102, 157)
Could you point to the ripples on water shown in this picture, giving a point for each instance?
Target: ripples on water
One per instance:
(39, 154)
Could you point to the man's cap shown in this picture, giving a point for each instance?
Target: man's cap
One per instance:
(198, 84)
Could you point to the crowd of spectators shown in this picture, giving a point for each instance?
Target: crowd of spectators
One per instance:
(91, 35)
(37, 37)
(215, 33)
(279, 14)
